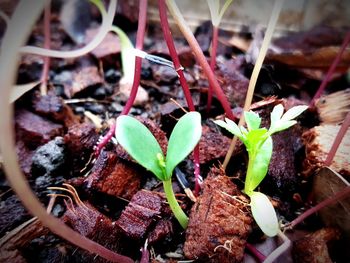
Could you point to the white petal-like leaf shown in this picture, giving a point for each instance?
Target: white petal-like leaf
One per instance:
(230, 126)
(276, 115)
(264, 214)
(284, 125)
(243, 130)
(293, 112)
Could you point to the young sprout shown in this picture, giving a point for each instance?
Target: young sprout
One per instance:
(215, 12)
(216, 16)
(127, 55)
(258, 142)
(140, 143)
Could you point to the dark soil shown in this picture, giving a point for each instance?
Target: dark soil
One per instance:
(123, 205)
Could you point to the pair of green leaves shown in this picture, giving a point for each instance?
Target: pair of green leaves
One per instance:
(140, 143)
(258, 142)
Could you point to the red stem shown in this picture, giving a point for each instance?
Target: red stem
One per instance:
(186, 31)
(256, 253)
(214, 47)
(47, 42)
(338, 139)
(137, 74)
(175, 58)
(138, 61)
(331, 69)
(337, 197)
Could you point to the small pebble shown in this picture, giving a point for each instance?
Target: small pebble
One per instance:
(146, 71)
(96, 108)
(79, 110)
(49, 158)
(99, 93)
(112, 76)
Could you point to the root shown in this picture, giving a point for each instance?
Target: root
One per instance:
(71, 190)
(227, 246)
(69, 205)
(236, 198)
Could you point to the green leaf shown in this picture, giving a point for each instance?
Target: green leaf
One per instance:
(293, 112)
(252, 119)
(140, 143)
(259, 160)
(254, 138)
(264, 214)
(231, 127)
(183, 139)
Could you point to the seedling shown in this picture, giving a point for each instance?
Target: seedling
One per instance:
(277, 7)
(140, 143)
(258, 142)
(216, 16)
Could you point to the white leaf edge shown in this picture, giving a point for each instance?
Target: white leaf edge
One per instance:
(293, 112)
(230, 126)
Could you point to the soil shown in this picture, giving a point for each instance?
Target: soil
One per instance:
(120, 204)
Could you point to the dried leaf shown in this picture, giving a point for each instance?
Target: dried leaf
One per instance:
(19, 90)
(326, 183)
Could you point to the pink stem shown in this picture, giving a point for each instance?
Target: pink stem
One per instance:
(137, 74)
(331, 69)
(214, 47)
(175, 58)
(256, 253)
(338, 196)
(47, 42)
(341, 133)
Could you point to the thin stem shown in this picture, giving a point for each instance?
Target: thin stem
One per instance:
(214, 47)
(256, 253)
(338, 139)
(137, 74)
(249, 175)
(173, 53)
(179, 69)
(107, 21)
(331, 70)
(186, 31)
(174, 205)
(138, 61)
(337, 197)
(47, 42)
(280, 250)
(16, 34)
(251, 87)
